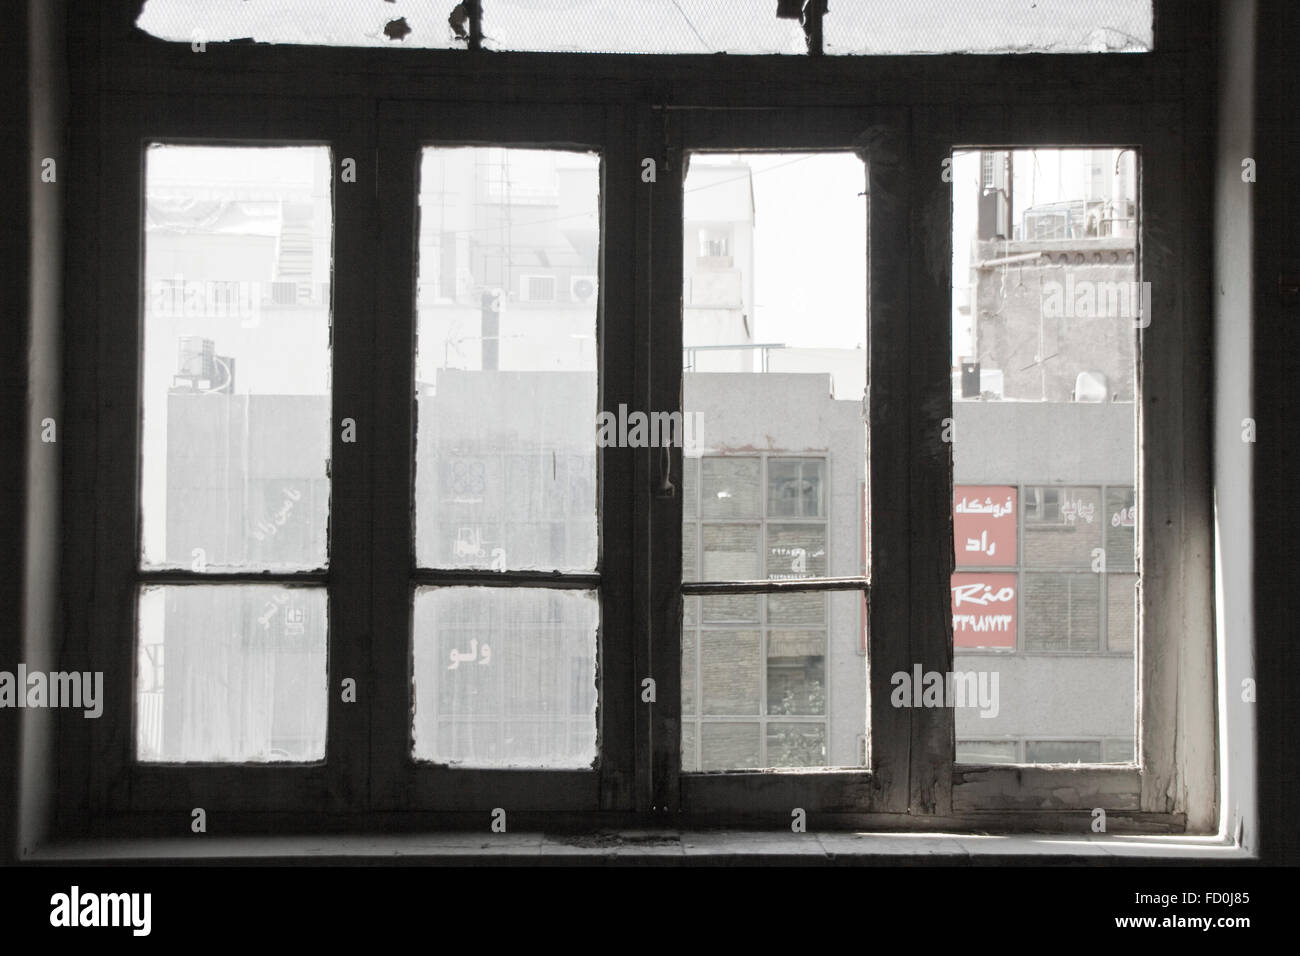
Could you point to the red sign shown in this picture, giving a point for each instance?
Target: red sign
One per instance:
(984, 526)
(983, 609)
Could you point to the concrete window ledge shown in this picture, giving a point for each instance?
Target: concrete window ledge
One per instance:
(665, 847)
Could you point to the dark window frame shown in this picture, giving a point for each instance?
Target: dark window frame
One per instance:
(133, 88)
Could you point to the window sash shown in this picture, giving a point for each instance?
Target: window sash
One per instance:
(1138, 101)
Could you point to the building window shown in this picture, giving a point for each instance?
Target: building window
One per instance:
(754, 658)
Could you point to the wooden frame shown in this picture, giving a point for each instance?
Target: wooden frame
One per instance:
(379, 105)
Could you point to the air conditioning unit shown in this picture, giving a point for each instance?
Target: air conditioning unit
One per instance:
(536, 288)
(583, 288)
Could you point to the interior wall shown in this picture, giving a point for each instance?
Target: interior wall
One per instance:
(40, 620)
(1234, 513)
(15, 215)
(1277, 413)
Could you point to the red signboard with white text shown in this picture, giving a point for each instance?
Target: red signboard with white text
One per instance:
(984, 536)
(984, 526)
(983, 609)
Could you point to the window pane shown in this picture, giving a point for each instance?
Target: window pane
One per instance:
(690, 737)
(795, 488)
(796, 745)
(729, 487)
(796, 672)
(506, 359)
(647, 26)
(231, 673)
(1062, 612)
(1118, 751)
(1120, 529)
(796, 551)
(1121, 611)
(729, 672)
(505, 677)
(1063, 751)
(991, 26)
(1063, 526)
(337, 23)
(774, 328)
(670, 26)
(731, 746)
(236, 426)
(730, 552)
(796, 608)
(986, 751)
(1047, 310)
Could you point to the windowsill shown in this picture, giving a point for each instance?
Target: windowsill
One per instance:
(693, 847)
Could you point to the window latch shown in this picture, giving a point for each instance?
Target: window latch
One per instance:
(666, 487)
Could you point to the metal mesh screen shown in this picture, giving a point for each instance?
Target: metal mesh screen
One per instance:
(669, 26)
(647, 26)
(403, 23)
(987, 26)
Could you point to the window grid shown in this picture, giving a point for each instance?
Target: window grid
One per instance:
(1022, 567)
(695, 719)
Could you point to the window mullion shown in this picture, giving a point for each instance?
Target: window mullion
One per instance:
(392, 258)
(354, 321)
(659, 512)
(930, 458)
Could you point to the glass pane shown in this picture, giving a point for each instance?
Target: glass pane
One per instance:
(990, 26)
(796, 488)
(1121, 529)
(1063, 751)
(796, 608)
(1047, 310)
(506, 359)
(505, 677)
(236, 426)
(796, 551)
(730, 552)
(729, 487)
(318, 22)
(796, 745)
(796, 672)
(1118, 751)
(690, 735)
(984, 525)
(647, 26)
(774, 329)
(690, 668)
(1121, 611)
(731, 746)
(984, 610)
(730, 608)
(1062, 612)
(729, 672)
(986, 751)
(231, 673)
(1062, 526)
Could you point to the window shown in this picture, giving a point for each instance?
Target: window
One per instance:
(234, 455)
(494, 585)
(678, 26)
